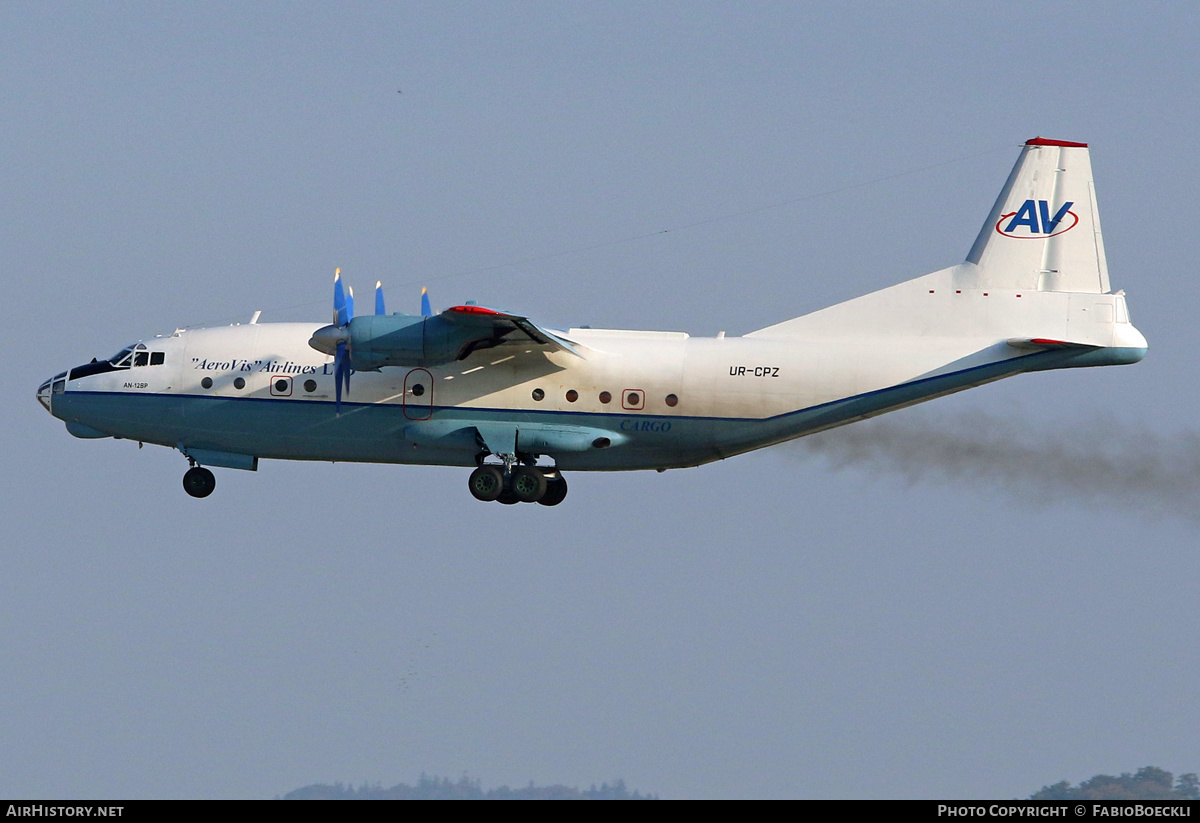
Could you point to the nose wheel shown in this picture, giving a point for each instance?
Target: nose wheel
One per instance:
(199, 481)
(523, 484)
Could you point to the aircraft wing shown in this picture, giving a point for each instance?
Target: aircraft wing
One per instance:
(495, 327)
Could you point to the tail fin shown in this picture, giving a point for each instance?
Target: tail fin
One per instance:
(1044, 231)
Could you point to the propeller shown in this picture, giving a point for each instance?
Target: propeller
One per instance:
(335, 338)
(343, 313)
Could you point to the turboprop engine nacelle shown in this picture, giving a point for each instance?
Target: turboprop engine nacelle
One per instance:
(395, 340)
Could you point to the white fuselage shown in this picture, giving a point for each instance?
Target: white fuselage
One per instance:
(456, 388)
(663, 399)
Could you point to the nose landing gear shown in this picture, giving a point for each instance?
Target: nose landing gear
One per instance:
(199, 481)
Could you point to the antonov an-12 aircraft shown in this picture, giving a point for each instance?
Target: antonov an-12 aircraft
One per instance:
(521, 403)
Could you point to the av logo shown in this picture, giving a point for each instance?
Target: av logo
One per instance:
(1033, 219)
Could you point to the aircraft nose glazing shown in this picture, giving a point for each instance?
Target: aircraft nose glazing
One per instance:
(55, 385)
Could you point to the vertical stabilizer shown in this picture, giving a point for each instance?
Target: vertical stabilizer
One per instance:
(1044, 231)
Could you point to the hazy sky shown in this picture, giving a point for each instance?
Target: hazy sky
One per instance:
(768, 626)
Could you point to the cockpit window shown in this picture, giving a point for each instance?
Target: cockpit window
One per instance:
(129, 356)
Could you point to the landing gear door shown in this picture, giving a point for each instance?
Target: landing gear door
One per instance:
(418, 395)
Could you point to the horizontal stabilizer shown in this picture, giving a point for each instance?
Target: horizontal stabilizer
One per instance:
(1048, 343)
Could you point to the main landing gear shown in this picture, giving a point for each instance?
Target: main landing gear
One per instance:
(519, 484)
(199, 481)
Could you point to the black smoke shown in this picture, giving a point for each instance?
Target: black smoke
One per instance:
(1097, 462)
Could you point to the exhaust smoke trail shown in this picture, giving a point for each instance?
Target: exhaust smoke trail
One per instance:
(1098, 463)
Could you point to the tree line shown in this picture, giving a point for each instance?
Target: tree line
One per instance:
(1148, 783)
(434, 788)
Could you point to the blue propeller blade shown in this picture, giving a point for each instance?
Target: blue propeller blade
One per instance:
(343, 313)
(343, 308)
(379, 309)
(425, 310)
(341, 373)
(337, 377)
